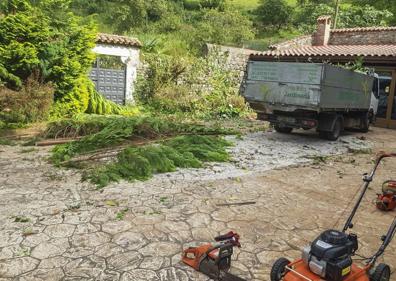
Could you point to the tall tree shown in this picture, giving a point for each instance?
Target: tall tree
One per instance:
(389, 5)
(274, 12)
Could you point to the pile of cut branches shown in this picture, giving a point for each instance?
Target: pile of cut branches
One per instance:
(140, 163)
(110, 132)
(134, 148)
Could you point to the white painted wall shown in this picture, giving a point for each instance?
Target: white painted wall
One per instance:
(130, 57)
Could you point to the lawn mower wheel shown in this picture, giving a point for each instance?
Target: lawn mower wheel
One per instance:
(381, 273)
(278, 270)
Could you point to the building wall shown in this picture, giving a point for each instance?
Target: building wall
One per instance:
(363, 38)
(237, 58)
(305, 40)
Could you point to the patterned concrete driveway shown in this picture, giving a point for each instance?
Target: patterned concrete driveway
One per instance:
(53, 227)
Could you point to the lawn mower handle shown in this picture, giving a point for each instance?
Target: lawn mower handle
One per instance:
(367, 178)
(386, 241)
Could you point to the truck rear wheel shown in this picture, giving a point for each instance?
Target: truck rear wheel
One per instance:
(282, 129)
(335, 133)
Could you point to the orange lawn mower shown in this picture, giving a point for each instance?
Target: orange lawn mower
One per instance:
(329, 257)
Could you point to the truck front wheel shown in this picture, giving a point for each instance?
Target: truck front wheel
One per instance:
(365, 122)
(282, 129)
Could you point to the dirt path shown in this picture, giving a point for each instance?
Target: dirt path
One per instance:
(53, 227)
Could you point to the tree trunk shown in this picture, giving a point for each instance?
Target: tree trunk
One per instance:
(336, 13)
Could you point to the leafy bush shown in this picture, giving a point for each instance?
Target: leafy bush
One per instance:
(140, 163)
(212, 4)
(380, 5)
(352, 16)
(274, 12)
(364, 16)
(52, 44)
(31, 104)
(224, 27)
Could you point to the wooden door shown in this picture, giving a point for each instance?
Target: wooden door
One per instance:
(386, 114)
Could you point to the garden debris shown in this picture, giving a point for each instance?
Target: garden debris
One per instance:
(21, 219)
(236, 204)
(140, 163)
(56, 141)
(116, 130)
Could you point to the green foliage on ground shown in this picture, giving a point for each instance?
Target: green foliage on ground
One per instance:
(105, 132)
(140, 163)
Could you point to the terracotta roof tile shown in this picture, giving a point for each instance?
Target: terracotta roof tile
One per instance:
(118, 40)
(365, 29)
(334, 50)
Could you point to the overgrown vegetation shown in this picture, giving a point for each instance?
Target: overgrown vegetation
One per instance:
(181, 26)
(51, 42)
(46, 53)
(30, 104)
(140, 163)
(199, 87)
(48, 43)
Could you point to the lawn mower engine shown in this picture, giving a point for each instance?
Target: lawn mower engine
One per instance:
(330, 255)
(386, 201)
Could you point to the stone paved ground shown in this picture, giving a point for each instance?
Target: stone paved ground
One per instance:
(53, 227)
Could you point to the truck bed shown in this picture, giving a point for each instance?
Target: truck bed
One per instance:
(305, 86)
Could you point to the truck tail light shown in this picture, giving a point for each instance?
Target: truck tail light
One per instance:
(309, 123)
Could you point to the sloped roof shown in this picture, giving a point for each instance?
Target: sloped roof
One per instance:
(364, 29)
(297, 40)
(118, 40)
(334, 50)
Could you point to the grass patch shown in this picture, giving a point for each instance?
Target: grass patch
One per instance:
(21, 219)
(252, 4)
(140, 163)
(318, 159)
(4, 141)
(121, 214)
(359, 150)
(28, 150)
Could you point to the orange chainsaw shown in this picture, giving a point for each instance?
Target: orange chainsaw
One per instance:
(386, 201)
(214, 260)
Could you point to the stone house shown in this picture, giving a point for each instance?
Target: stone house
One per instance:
(116, 84)
(376, 46)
